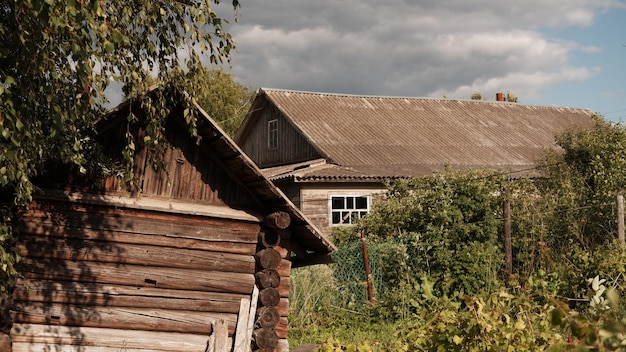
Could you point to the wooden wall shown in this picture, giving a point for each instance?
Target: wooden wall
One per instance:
(292, 146)
(189, 171)
(100, 278)
(314, 199)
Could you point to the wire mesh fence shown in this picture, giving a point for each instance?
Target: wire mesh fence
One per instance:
(350, 274)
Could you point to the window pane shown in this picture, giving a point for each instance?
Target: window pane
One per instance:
(349, 202)
(362, 214)
(354, 216)
(345, 217)
(336, 217)
(338, 203)
(361, 203)
(272, 134)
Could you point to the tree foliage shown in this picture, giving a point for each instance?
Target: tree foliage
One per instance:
(57, 58)
(446, 227)
(224, 99)
(582, 182)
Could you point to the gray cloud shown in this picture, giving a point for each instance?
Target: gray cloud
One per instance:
(396, 47)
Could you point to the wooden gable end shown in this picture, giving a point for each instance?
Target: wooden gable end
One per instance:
(291, 145)
(190, 171)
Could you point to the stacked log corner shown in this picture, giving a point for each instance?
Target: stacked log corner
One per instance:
(272, 277)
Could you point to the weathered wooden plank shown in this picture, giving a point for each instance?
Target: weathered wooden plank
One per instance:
(152, 319)
(136, 275)
(125, 296)
(217, 241)
(140, 222)
(157, 204)
(220, 333)
(241, 345)
(252, 317)
(36, 347)
(37, 337)
(124, 253)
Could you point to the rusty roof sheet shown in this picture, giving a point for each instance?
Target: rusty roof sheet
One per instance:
(402, 136)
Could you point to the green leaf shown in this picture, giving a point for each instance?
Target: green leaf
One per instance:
(457, 340)
(108, 46)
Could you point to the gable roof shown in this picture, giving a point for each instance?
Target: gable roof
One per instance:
(402, 136)
(266, 195)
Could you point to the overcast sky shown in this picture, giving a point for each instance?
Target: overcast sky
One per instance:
(548, 52)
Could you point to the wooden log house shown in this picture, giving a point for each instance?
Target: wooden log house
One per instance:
(195, 257)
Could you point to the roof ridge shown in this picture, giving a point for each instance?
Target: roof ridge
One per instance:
(391, 97)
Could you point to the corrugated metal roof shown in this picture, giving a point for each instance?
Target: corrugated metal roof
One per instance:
(401, 136)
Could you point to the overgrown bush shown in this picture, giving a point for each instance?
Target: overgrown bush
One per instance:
(447, 227)
(436, 250)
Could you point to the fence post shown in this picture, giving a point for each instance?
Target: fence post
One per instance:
(508, 251)
(620, 216)
(366, 262)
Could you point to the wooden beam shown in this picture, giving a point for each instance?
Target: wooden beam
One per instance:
(150, 319)
(252, 316)
(241, 345)
(225, 239)
(138, 275)
(49, 336)
(123, 253)
(152, 204)
(125, 296)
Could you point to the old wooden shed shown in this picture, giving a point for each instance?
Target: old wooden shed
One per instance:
(194, 256)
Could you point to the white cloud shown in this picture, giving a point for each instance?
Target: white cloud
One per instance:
(425, 48)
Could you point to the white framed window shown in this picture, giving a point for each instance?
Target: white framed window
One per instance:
(272, 134)
(347, 209)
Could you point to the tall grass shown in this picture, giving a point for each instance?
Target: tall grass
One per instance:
(318, 312)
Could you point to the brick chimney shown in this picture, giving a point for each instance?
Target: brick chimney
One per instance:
(499, 97)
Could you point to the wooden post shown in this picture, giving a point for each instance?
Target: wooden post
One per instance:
(252, 316)
(620, 217)
(366, 262)
(508, 251)
(218, 340)
(242, 343)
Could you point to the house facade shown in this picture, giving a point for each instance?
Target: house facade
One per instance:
(331, 153)
(195, 256)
